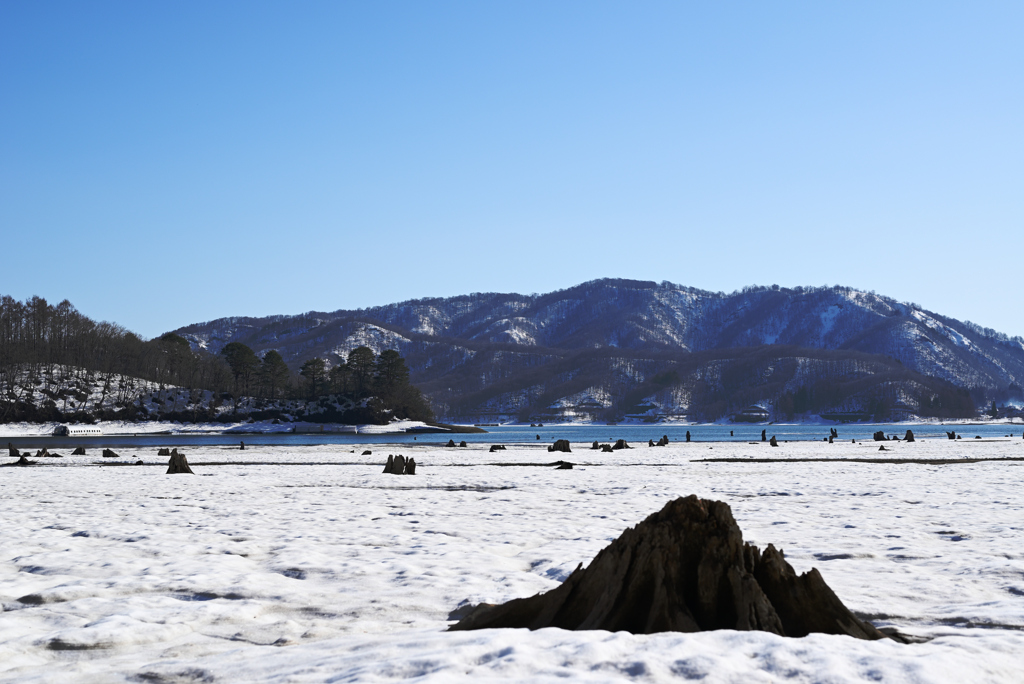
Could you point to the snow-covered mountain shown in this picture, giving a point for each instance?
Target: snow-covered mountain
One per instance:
(617, 334)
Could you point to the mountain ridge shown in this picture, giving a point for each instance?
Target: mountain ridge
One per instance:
(504, 335)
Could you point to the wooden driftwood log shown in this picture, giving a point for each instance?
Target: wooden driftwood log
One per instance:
(683, 569)
(178, 464)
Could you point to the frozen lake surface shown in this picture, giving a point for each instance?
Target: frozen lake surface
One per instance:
(307, 564)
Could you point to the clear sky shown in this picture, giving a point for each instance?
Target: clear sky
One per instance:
(164, 163)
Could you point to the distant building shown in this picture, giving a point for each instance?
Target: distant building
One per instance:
(752, 414)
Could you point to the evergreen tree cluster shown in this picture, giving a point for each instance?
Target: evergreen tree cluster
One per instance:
(58, 343)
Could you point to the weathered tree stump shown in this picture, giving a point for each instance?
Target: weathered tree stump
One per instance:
(110, 453)
(561, 445)
(79, 451)
(390, 464)
(910, 436)
(763, 438)
(451, 443)
(683, 569)
(879, 436)
(687, 435)
(463, 444)
(664, 440)
(620, 444)
(178, 464)
(163, 452)
(14, 453)
(496, 447)
(607, 448)
(774, 442)
(410, 466)
(367, 452)
(951, 435)
(595, 446)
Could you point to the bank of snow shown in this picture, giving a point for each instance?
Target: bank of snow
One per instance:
(329, 570)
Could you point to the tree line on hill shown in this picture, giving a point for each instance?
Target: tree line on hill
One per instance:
(59, 343)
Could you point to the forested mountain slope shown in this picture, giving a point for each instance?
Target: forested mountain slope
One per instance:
(605, 339)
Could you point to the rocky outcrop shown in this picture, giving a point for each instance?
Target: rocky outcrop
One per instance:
(685, 569)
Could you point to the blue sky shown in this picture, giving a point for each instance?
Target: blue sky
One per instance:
(169, 163)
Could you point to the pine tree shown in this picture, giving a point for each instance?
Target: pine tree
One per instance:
(273, 373)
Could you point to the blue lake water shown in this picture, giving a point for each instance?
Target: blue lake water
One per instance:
(514, 434)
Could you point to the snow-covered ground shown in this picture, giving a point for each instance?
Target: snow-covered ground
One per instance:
(307, 564)
(151, 427)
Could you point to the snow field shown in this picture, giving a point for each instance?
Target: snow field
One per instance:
(325, 569)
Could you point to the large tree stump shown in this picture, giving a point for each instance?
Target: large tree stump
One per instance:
(79, 451)
(910, 436)
(110, 453)
(684, 569)
(178, 464)
(410, 466)
(561, 445)
(773, 442)
(390, 464)
(620, 444)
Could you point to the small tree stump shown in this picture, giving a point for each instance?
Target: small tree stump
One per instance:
(451, 443)
(398, 467)
(910, 436)
(390, 464)
(110, 453)
(178, 464)
(79, 451)
(561, 445)
(621, 444)
(774, 442)
(163, 452)
(410, 466)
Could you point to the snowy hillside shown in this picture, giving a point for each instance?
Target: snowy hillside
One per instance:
(621, 332)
